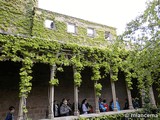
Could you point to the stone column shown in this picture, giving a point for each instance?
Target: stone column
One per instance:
(129, 97)
(113, 93)
(114, 96)
(20, 112)
(76, 111)
(51, 93)
(152, 98)
(96, 100)
(142, 96)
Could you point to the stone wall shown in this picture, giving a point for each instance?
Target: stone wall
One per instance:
(9, 80)
(59, 31)
(16, 16)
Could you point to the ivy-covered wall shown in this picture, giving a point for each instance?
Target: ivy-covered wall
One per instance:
(16, 16)
(60, 32)
(20, 17)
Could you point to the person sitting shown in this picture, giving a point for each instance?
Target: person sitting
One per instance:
(56, 109)
(101, 106)
(90, 109)
(65, 109)
(126, 106)
(135, 103)
(70, 105)
(105, 105)
(117, 105)
(84, 107)
(110, 105)
(10, 113)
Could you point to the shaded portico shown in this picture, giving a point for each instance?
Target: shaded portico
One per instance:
(38, 99)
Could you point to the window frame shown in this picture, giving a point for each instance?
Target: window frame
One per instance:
(94, 32)
(48, 26)
(107, 35)
(75, 28)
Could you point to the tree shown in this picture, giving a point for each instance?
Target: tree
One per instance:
(143, 34)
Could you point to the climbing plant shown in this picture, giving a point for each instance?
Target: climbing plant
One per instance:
(139, 61)
(143, 33)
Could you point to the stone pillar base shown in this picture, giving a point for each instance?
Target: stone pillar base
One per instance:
(131, 107)
(154, 106)
(50, 116)
(97, 111)
(115, 109)
(76, 113)
(20, 118)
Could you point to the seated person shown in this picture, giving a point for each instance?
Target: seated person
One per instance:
(84, 107)
(117, 105)
(135, 103)
(64, 109)
(110, 105)
(126, 106)
(56, 109)
(101, 106)
(106, 105)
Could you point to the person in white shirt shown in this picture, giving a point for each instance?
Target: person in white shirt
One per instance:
(84, 106)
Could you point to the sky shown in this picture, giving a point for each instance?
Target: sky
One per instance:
(115, 13)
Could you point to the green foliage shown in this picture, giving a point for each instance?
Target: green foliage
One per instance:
(96, 72)
(25, 71)
(98, 88)
(77, 79)
(60, 32)
(60, 69)
(144, 31)
(16, 13)
(54, 82)
(25, 109)
(140, 61)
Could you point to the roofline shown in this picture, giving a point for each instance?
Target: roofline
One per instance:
(37, 8)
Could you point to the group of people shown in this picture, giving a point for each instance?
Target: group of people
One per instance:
(62, 109)
(65, 108)
(104, 107)
(135, 102)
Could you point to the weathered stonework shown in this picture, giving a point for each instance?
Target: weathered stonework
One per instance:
(24, 25)
(61, 34)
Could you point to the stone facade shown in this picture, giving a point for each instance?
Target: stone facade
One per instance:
(22, 18)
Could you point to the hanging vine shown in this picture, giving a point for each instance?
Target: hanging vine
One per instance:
(25, 76)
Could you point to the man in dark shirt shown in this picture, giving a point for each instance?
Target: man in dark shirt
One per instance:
(10, 113)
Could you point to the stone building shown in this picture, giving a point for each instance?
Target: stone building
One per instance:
(24, 20)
